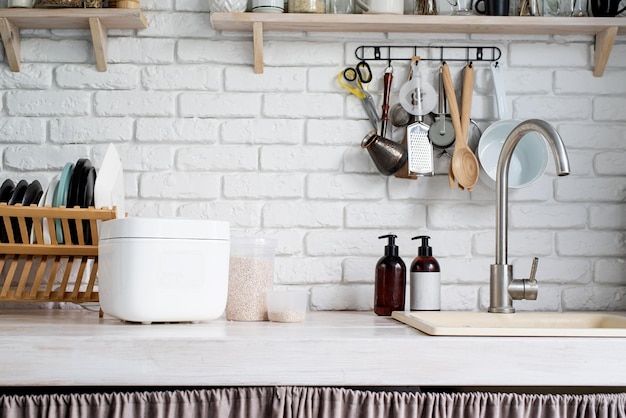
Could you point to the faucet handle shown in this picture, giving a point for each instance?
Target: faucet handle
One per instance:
(524, 288)
(531, 288)
(533, 270)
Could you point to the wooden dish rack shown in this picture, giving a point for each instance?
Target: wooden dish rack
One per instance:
(42, 269)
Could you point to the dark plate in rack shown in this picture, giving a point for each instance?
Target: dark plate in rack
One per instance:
(76, 196)
(31, 197)
(17, 197)
(6, 191)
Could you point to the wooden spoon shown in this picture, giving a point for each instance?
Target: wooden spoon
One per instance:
(451, 181)
(471, 166)
(466, 100)
(464, 163)
(453, 106)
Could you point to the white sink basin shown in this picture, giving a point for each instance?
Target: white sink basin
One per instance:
(530, 324)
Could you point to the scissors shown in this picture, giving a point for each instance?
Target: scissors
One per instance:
(354, 80)
(361, 73)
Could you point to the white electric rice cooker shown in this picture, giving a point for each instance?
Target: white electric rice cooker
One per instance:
(163, 269)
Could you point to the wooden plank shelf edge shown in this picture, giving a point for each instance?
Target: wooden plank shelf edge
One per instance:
(98, 21)
(605, 29)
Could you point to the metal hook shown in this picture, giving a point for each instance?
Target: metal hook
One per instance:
(404, 53)
(356, 51)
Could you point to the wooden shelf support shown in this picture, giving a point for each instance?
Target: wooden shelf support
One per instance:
(257, 45)
(99, 40)
(11, 40)
(603, 46)
(97, 20)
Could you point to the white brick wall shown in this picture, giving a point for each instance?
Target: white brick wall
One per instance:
(278, 154)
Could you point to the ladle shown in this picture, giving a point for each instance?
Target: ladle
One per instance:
(465, 166)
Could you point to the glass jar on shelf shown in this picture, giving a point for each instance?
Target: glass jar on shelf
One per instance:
(425, 7)
(307, 6)
(70, 3)
(20, 3)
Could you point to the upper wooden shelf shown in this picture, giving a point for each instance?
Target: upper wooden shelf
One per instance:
(97, 20)
(605, 29)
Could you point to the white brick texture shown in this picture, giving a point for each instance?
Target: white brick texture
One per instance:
(117, 77)
(48, 103)
(279, 154)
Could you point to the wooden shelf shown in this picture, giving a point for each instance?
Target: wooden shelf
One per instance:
(98, 21)
(605, 29)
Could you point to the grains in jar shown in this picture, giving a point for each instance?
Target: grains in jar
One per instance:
(249, 281)
(307, 6)
(59, 3)
(70, 3)
(94, 3)
(286, 316)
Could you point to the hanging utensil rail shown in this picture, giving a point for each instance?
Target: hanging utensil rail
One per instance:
(428, 53)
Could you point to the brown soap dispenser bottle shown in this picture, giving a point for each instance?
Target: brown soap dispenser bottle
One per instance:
(425, 282)
(390, 282)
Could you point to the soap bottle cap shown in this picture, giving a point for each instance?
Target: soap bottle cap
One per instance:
(424, 250)
(391, 248)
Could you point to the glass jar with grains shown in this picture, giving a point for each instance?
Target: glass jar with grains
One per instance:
(307, 6)
(70, 3)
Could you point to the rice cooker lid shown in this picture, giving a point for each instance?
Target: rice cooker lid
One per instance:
(166, 228)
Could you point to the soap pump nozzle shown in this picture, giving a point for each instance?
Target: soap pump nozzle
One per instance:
(424, 250)
(391, 248)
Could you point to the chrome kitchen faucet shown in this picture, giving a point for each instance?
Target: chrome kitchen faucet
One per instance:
(503, 288)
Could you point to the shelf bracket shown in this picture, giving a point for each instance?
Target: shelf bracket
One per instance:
(99, 40)
(11, 40)
(603, 46)
(257, 44)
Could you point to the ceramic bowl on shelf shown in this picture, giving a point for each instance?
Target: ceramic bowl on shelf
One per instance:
(268, 6)
(228, 5)
(21, 3)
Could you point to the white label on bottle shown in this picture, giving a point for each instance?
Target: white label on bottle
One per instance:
(425, 291)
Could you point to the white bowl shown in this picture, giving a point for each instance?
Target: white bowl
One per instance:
(228, 5)
(268, 6)
(528, 162)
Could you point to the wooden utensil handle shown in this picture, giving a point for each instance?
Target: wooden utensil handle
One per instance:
(387, 79)
(453, 105)
(466, 100)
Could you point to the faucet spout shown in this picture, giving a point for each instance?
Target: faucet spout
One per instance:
(503, 288)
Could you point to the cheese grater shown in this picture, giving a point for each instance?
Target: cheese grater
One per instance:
(420, 150)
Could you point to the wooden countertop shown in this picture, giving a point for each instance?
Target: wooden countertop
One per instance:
(76, 347)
